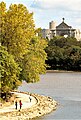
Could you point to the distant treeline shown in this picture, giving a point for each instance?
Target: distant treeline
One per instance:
(64, 54)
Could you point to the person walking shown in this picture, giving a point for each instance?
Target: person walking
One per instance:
(30, 98)
(20, 103)
(16, 104)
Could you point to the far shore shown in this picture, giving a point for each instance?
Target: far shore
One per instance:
(60, 71)
(43, 105)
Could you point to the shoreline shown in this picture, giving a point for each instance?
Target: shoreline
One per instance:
(43, 106)
(61, 71)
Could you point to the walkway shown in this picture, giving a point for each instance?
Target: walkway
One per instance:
(25, 101)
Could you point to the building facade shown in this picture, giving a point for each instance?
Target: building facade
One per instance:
(61, 30)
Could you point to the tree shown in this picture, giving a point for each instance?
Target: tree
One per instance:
(34, 60)
(64, 53)
(54, 56)
(72, 57)
(18, 30)
(9, 71)
(18, 35)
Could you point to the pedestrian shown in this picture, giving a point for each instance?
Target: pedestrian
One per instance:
(16, 104)
(30, 99)
(20, 103)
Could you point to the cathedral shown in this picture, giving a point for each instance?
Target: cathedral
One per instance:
(61, 30)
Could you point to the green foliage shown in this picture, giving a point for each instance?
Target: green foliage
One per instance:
(34, 60)
(18, 30)
(2, 19)
(64, 53)
(9, 71)
(19, 36)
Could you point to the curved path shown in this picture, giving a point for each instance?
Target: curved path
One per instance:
(25, 101)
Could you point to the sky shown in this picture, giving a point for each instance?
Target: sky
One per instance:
(46, 11)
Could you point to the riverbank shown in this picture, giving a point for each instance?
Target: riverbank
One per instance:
(42, 105)
(61, 71)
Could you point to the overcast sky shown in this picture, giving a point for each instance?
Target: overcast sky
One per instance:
(53, 10)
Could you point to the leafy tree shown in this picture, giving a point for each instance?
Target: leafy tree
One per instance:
(18, 30)
(9, 71)
(54, 56)
(34, 60)
(19, 36)
(72, 57)
(64, 53)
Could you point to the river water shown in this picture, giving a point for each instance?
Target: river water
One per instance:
(65, 88)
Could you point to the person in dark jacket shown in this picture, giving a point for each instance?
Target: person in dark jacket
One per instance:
(16, 104)
(30, 99)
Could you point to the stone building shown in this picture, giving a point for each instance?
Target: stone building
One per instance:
(61, 30)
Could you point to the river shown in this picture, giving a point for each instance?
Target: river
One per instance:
(65, 88)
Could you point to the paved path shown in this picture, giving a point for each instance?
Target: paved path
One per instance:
(25, 101)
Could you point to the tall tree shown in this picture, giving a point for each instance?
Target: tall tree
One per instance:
(19, 36)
